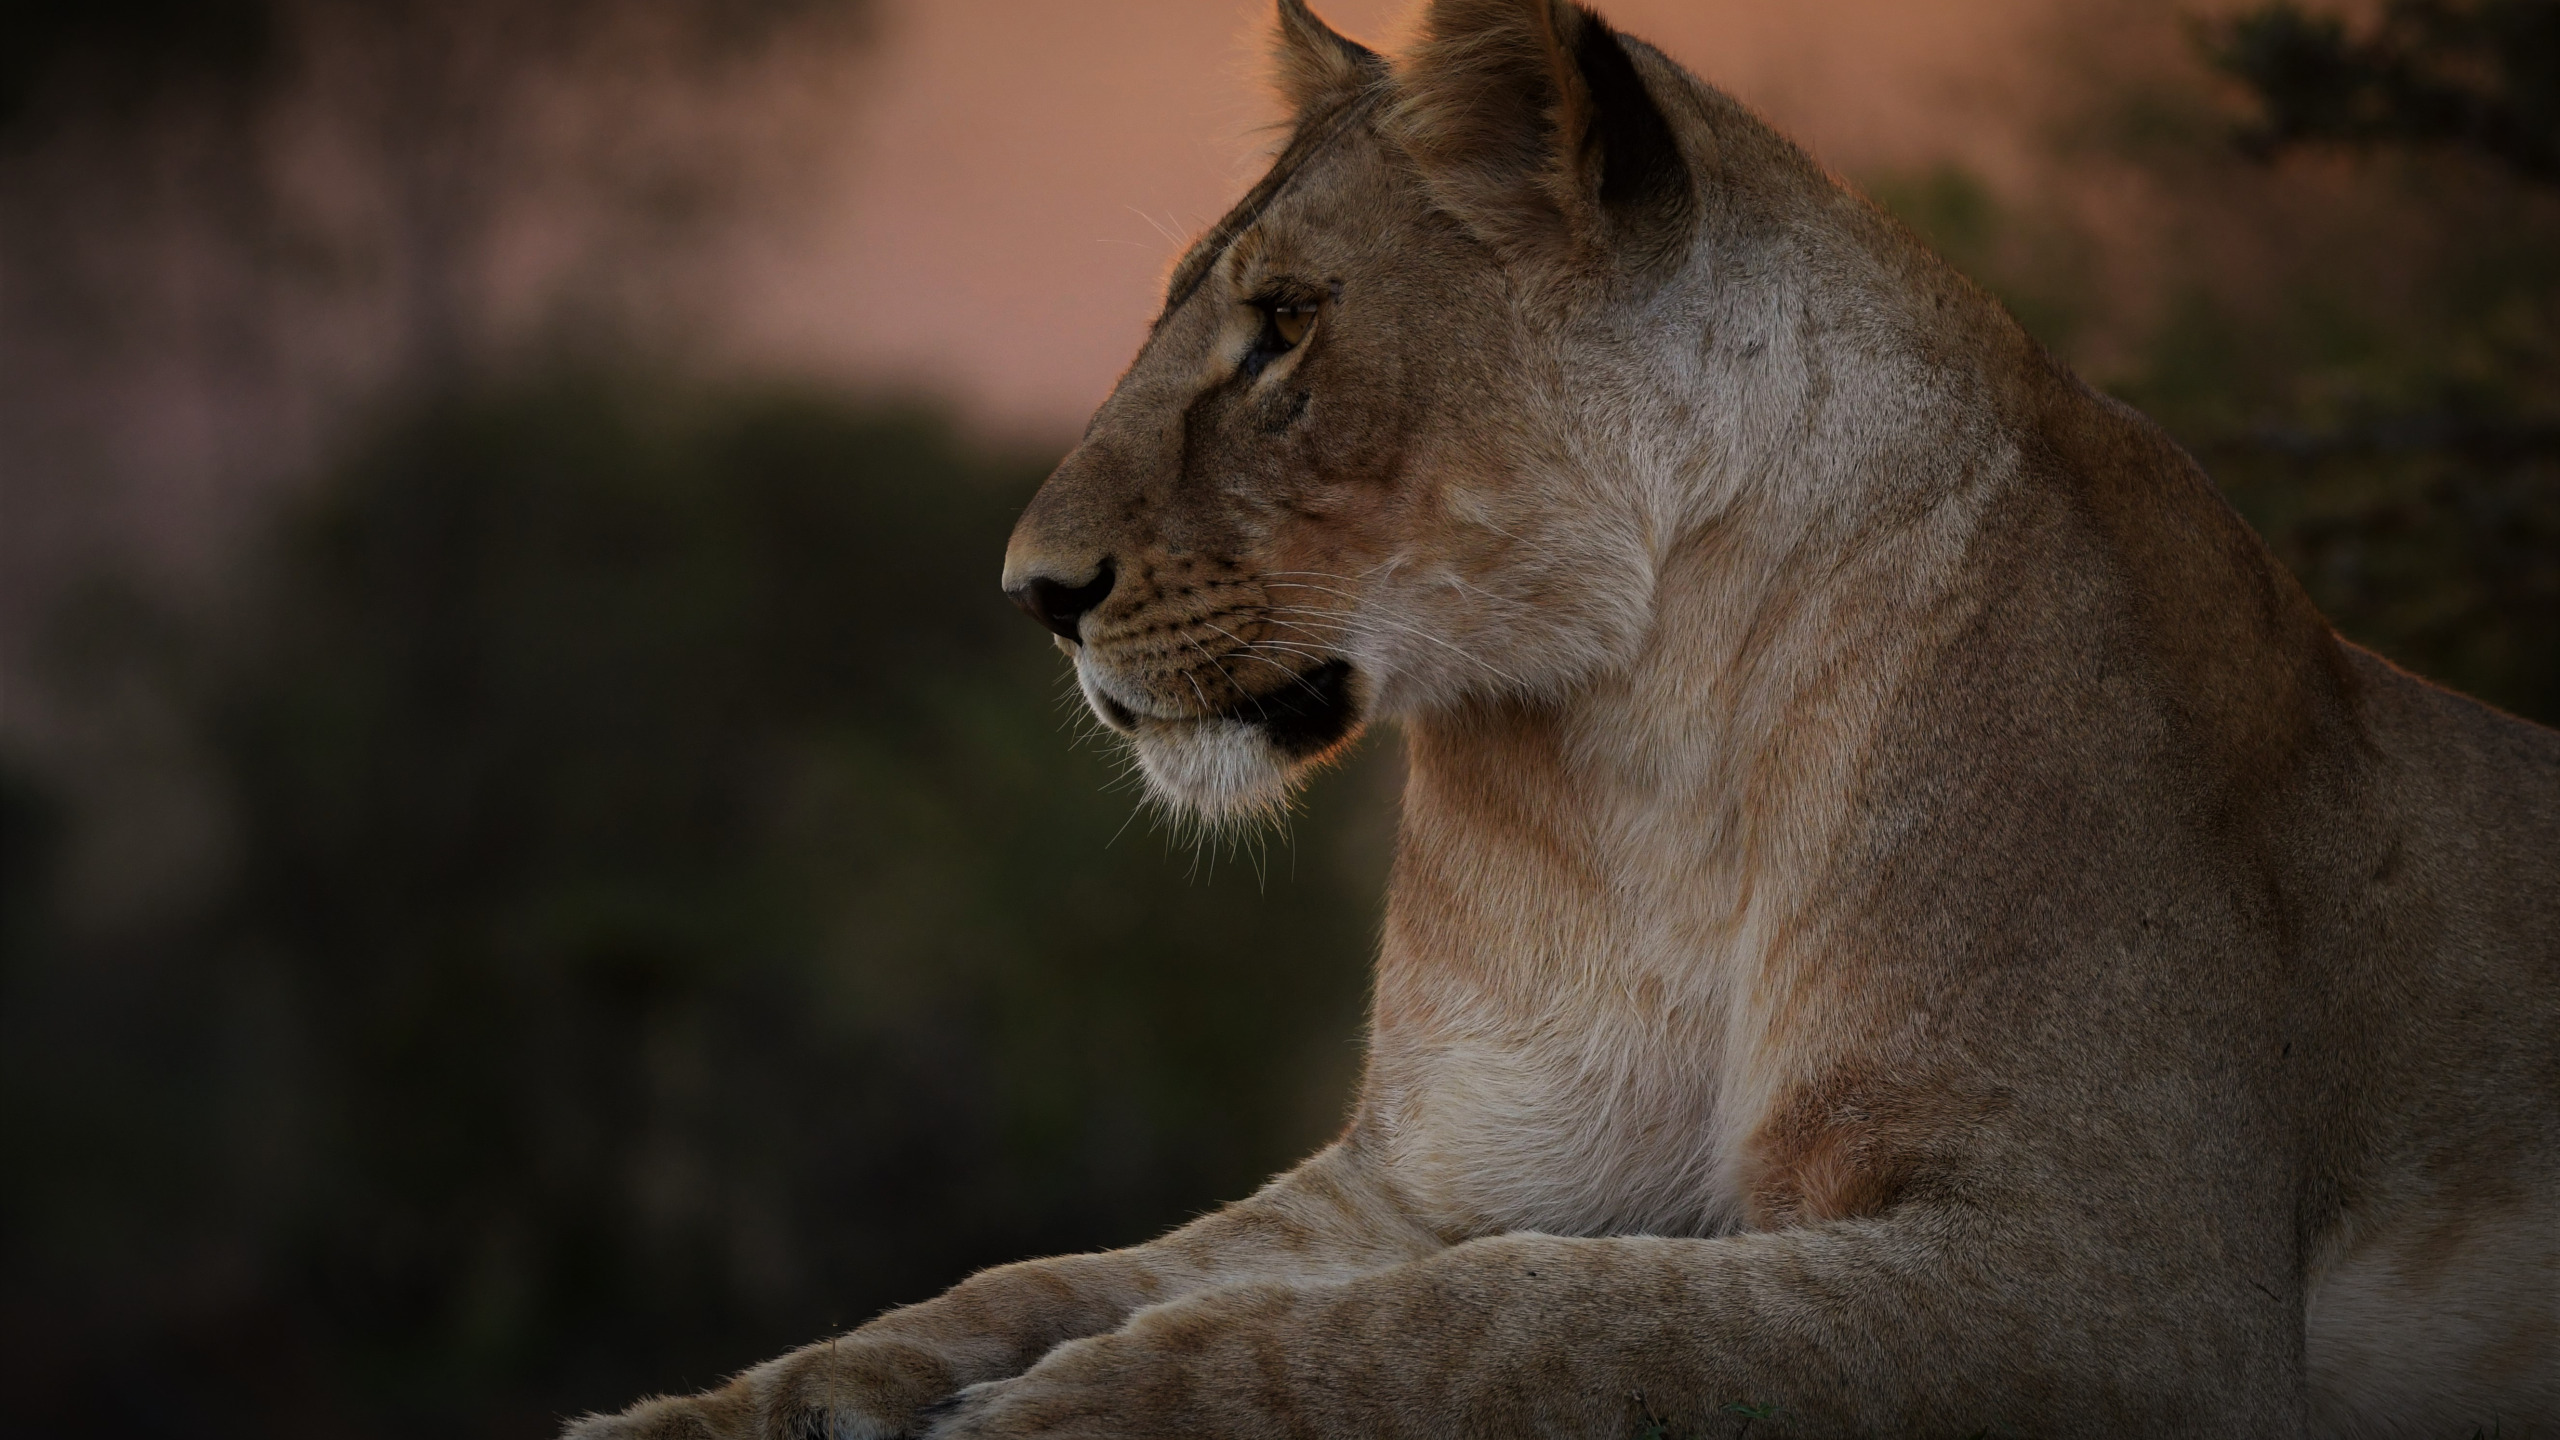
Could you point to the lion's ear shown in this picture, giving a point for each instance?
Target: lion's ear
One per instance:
(1531, 123)
(1317, 69)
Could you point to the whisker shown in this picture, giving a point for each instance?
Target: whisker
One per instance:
(1268, 575)
(1135, 811)
(1246, 648)
(1351, 624)
(1205, 707)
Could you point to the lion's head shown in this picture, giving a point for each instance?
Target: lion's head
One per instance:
(1391, 444)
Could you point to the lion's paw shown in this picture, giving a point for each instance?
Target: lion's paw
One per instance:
(848, 1389)
(672, 1417)
(1194, 1369)
(1059, 1405)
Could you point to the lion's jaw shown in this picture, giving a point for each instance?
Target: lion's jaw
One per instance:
(1232, 764)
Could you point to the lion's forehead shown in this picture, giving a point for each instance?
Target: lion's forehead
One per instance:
(1314, 140)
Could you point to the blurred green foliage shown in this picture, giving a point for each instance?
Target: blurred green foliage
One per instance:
(2478, 75)
(671, 916)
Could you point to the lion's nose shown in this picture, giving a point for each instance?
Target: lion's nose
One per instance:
(1058, 605)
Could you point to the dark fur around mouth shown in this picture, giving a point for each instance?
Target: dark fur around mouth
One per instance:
(1305, 717)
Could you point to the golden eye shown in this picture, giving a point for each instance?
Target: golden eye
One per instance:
(1284, 324)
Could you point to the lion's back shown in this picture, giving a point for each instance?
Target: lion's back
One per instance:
(2438, 1292)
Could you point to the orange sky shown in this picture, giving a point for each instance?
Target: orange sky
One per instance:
(1025, 169)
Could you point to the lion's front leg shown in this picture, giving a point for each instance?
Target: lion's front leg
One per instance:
(1876, 1330)
(876, 1381)
(861, 1386)
(1442, 1347)
(1328, 1219)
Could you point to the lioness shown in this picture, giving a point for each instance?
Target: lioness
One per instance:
(1906, 922)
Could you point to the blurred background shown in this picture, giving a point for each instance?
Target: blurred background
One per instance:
(535, 865)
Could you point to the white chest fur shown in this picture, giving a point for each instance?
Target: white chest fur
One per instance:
(1510, 1127)
(1572, 1051)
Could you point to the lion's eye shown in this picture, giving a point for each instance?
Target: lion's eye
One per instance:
(1283, 326)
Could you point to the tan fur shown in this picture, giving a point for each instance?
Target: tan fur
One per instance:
(1906, 921)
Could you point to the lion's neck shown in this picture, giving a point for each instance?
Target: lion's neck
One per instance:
(1588, 893)
(1708, 774)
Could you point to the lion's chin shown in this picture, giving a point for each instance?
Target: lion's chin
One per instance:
(1241, 766)
(1220, 771)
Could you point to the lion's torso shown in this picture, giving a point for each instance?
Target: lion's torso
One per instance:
(2095, 842)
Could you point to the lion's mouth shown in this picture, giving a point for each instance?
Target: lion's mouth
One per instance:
(1301, 717)
(1306, 716)
(1237, 760)
(1114, 714)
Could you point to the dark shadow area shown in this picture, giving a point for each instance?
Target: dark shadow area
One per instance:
(667, 916)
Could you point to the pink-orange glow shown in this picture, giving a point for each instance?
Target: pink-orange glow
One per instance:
(1025, 169)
